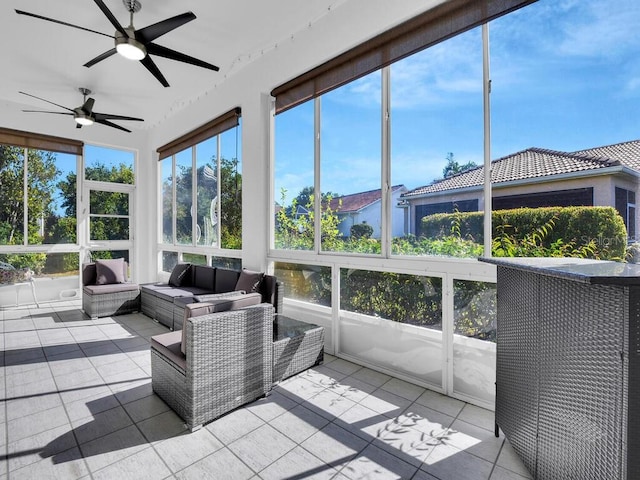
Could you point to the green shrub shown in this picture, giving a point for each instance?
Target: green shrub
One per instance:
(594, 232)
(361, 230)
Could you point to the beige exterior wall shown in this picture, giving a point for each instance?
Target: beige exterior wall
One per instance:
(603, 192)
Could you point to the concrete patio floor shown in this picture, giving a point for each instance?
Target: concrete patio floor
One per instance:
(78, 403)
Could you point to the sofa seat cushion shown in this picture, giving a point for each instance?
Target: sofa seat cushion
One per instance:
(168, 344)
(153, 288)
(171, 294)
(110, 288)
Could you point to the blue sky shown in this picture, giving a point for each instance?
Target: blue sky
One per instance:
(565, 76)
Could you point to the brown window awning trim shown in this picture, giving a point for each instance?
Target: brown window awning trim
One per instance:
(433, 26)
(38, 141)
(216, 126)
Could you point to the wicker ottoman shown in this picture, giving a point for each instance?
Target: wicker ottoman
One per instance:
(296, 347)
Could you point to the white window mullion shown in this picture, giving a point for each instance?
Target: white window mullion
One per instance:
(386, 226)
(25, 199)
(317, 194)
(194, 197)
(218, 192)
(174, 199)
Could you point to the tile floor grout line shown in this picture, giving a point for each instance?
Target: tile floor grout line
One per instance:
(66, 411)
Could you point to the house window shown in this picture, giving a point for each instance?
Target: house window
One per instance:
(626, 207)
(201, 190)
(558, 198)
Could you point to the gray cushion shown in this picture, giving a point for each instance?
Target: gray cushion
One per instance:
(88, 274)
(154, 288)
(226, 280)
(180, 275)
(220, 305)
(110, 288)
(168, 344)
(204, 277)
(170, 294)
(249, 281)
(110, 271)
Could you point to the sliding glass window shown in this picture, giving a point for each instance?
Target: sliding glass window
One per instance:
(201, 192)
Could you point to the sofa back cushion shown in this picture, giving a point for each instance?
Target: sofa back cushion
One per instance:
(204, 277)
(88, 274)
(234, 302)
(110, 271)
(180, 275)
(226, 280)
(249, 281)
(269, 291)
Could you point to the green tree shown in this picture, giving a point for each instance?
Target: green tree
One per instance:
(453, 167)
(230, 201)
(296, 231)
(40, 202)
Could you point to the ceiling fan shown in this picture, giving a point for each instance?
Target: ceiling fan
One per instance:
(84, 114)
(138, 44)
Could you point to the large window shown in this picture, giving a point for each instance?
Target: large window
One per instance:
(544, 95)
(201, 187)
(350, 140)
(294, 178)
(108, 203)
(46, 196)
(565, 92)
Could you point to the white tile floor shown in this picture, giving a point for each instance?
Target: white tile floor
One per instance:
(77, 403)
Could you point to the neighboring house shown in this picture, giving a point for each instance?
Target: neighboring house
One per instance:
(602, 176)
(366, 207)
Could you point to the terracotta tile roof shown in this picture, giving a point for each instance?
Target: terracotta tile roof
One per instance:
(357, 201)
(536, 163)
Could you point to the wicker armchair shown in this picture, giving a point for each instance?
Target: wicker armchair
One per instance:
(228, 363)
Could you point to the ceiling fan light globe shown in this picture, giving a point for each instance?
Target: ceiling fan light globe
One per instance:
(130, 48)
(85, 120)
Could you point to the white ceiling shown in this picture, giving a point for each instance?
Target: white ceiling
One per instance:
(46, 59)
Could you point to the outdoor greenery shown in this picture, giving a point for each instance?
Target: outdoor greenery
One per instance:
(361, 230)
(230, 204)
(52, 208)
(587, 232)
(452, 167)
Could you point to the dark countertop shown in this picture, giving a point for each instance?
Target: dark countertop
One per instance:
(576, 269)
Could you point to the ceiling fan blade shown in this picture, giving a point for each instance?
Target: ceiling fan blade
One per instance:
(100, 57)
(21, 12)
(29, 95)
(165, 52)
(109, 15)
(153, 68)
(43, 111)
(88, 105)
(110, 124)
(150, 33)
(108, 116)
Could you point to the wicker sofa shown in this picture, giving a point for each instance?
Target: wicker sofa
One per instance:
(106, 290)
(189, 283)
(228, 363)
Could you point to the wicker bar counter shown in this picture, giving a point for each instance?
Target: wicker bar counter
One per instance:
(568, 366)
